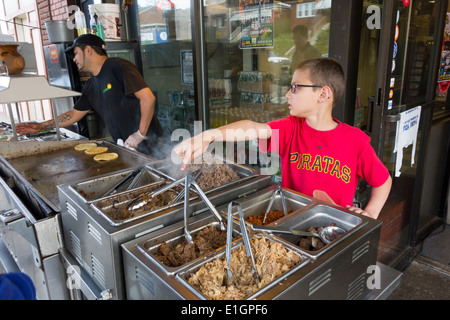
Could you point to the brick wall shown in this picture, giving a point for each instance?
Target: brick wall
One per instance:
(396, 220)
(52, 10)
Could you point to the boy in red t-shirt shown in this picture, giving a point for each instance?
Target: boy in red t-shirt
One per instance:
(319, 155)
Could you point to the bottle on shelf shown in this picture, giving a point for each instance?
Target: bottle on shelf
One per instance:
(80, 22)
(99, 25)
(93, 25)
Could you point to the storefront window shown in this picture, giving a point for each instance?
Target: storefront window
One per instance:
(444, 67)
(367, 67)
(166, 45)
(412, 53)
(253, 48)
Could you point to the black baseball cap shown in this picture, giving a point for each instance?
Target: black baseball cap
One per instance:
(87, 40)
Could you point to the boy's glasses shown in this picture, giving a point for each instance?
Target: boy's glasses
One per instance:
(294, 86)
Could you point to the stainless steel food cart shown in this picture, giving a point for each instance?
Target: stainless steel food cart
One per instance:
(31, 229)
(339, 270)
(55, 227)
(93, 236)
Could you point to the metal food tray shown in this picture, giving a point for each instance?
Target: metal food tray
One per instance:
(258, 203)
(175, 236)
(106, 206)
(320, 216)
(173, 172)
(94, 189)
(184, 275)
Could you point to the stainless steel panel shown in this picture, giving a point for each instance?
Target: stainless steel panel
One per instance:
(33, 244)
(80, 280)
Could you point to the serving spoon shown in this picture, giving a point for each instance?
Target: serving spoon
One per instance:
(327, 234)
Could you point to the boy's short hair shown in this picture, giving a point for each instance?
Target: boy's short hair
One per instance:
(325, 72)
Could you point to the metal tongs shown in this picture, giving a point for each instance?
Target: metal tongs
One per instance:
(136, 174)
(189, 180)
(246, 241)
(180, 196)
(141, 200)
(283, 202)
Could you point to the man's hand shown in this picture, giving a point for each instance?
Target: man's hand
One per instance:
(29, 127)
(133, 140)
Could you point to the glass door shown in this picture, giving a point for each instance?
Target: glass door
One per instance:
(399, 106)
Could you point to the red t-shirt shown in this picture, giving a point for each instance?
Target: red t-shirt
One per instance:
(331, 161)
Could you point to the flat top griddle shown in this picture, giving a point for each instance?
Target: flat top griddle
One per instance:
(45, 169)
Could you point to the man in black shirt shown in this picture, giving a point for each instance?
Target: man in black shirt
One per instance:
(117, 93)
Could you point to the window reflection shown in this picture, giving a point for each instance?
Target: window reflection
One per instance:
(253, 46)
(166, 45)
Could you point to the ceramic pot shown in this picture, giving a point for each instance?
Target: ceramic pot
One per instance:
(13, 59)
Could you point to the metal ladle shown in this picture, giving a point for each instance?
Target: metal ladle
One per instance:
(327, 234)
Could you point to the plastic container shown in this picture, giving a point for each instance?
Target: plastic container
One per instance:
(58, 31)
(109, 15)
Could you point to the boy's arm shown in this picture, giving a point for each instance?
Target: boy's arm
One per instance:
(237, 131)
(377, 200)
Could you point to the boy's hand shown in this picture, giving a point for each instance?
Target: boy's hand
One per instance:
(191, 148)
(358, 211)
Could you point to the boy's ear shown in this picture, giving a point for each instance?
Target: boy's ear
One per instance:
(326, 93)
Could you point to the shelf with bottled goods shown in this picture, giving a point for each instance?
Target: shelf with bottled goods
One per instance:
(178, 112)
(260, 99)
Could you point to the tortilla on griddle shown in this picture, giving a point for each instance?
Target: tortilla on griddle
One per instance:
(85, 146)
(96, 150)
(105, 157)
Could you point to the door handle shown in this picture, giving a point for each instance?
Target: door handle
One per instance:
(371, 105)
